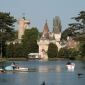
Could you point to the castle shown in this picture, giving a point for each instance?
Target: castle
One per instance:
(47, 38)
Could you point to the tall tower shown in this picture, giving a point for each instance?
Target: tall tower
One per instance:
(22, 25)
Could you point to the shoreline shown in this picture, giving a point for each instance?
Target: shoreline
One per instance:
(12, 59)
(25, 59)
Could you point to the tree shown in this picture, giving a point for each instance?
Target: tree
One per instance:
(67, 32)
(73, 53)
(58, 21)
(11, 50)
(29, 41)
(83, 52)
(78, 28)
(18, 50)
(64, 53)
(52, 50)
(6, 27)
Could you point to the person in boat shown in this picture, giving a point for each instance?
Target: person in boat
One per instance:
(68, 63)
(16, 67)
(73, 63)
(13, 65)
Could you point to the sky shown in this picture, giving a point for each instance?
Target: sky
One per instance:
(38, 11)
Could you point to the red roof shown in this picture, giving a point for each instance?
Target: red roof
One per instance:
(45, 30)
(46, 27)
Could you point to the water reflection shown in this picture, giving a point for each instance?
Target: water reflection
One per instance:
(47, 69)
(58, 68)
(43, 69)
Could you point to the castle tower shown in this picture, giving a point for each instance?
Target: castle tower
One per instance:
(44, 42)
(47, 38)
(22, 25)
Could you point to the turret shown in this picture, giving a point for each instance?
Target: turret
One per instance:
(22, 25)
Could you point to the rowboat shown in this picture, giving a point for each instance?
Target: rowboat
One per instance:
(15, 70)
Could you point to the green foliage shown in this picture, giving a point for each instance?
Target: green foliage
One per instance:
(6, 27)
(52, 50)
(64, 53)
(73, 54)
(58, 21)
(76, 28)
(14, 50)
(18, 50)
(15, 32)
(70, 53)
(78, 57)
(83, 51)
(3, 49)
(10, 50)
(67, 32)
(29, 41)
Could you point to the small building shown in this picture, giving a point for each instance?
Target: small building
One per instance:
(14, 41)
(34, 56)
(71, 43)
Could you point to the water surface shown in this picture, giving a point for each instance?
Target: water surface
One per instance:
(52, 72)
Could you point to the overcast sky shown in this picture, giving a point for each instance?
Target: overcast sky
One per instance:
(38, 11)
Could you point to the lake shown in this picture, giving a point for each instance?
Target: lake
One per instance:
(52, 72)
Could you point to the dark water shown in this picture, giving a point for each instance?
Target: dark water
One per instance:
(52, 72)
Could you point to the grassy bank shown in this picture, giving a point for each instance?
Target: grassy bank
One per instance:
(3, 60)
(13, 59)
(54, 59)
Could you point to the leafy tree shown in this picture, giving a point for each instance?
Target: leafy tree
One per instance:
(64, 53)
(73, 53)
(52, 50)
(34, 46)
(6, 27)
(7, 51)
(58, 21)
(15, 32)
(18, 49)
(67, 32)
(78, 28)
(29, 41)
(14, 50)
(83, 52)
(11, 50)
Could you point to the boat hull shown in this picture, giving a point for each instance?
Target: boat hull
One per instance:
(15, 70)
(70, 66)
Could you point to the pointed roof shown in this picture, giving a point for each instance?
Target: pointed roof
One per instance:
(45, 30)
(56, 29)
(46, 27)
